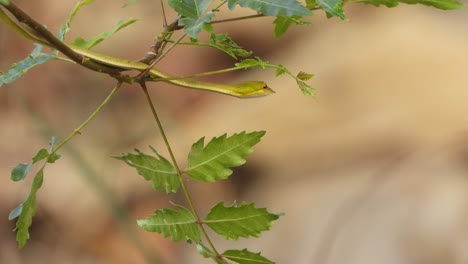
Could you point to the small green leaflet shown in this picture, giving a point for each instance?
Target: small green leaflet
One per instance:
(5, 2)
(156, 169)
(239, 221)
(28, 210)
(65, 28)
(87, 44)
(246, 257)
(273, 7)
(212, 162)
(332, 7)
(282, 24)
(20, 171)
(18, 69)
(177, 224)
(224, 43)
(193, 14)
(441, 4)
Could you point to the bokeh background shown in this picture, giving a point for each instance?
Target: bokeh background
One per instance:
(373, 169)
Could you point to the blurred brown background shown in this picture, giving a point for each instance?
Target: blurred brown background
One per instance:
(371, 170)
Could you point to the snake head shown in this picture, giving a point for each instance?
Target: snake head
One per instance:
(251, 89)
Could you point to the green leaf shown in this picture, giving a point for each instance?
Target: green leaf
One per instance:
(40, 155)
(87, 44)
(20, 68)
(5, 2)
(245, 257)
(283, 23)
(273, 7)
(193, 14)
(20, 171)
(65, 28)
(224, 43)
(156, 169)
(441, 4)
(212, 162)
(177, 224)
(28, 210)
(332, 7)
(239, 221)
(53, 157)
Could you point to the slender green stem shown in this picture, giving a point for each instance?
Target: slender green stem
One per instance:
(77, 131)
(209, 73)
(178, 170)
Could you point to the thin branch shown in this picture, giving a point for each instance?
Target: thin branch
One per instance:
(46, 37)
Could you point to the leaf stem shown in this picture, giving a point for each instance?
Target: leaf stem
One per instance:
(178, 170)
(77, 131)
(236, 18)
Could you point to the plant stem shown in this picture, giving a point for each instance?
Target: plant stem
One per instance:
(91, 117)
(38, 31)
(179, 172)
(236, 18)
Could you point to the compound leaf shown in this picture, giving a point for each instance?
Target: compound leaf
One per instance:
(156, 169)
(177, 224)
(245, 257)
(273, 7)
(213, 161)
(239, 221)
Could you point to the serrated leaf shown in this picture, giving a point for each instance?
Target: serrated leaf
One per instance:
(193, 14)
(40, 155)
(441, 4)
(306, 89)
(19, 69)
(332, 7)
(304, 76)
(273, 7)
(193, 26)
(87, 44)
(65, 28)
(177, 224)
(224, 43)
(20, 171)
(15, 213)
(283, 23)
(212, 162)
(245, 257)
(28, 210)
(156, 169)
(239, 221)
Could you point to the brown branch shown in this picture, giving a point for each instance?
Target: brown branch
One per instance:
(44, 34)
